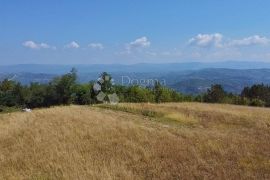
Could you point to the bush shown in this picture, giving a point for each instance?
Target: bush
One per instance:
(241, 101)
(257, 102)
(139, 94)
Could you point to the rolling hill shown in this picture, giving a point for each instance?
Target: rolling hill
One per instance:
(186, 81)
(138, 68)
(136, 141)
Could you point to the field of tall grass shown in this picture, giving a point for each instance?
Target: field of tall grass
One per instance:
(136, 141)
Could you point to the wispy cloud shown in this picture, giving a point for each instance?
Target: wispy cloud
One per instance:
(139, 43)
(207, 46)
(207, 40)
(98, 46)
(217, 40)
(72, 45)
(34, 45)
(250, 41)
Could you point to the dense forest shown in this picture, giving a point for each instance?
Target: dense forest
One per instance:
(65, 90)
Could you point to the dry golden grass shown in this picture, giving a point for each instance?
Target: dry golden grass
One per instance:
(149, 141)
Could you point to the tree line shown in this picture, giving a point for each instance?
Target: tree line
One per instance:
(65, 90)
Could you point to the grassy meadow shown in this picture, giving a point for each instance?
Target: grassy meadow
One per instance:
(136, 141)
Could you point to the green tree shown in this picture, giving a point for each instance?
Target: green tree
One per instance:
(82, 94)
(36, 95)
(64, 86)
(257, 92)
(215, 95)
(11, 93)
(162, 94)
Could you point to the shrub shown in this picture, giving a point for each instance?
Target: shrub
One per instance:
(257, 102)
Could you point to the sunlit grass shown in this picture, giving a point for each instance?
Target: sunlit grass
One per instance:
(136, 141)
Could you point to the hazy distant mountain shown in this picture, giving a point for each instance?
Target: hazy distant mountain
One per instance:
(27, 78)
(190, 78)
(60, 69)
(233, 80)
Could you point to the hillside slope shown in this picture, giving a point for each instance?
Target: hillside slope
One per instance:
(165, 141)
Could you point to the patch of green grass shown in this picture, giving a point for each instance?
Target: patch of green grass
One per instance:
(5, 109)
(167, 118)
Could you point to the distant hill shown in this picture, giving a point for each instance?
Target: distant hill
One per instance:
(27, 78)
(233, 80)
(189, 78)
(143, 67)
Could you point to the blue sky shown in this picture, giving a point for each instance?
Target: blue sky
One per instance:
(128, 31)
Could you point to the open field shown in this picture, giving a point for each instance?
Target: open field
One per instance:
(136, 141)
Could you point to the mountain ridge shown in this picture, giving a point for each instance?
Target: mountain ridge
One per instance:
(185, 81)
(140, 67)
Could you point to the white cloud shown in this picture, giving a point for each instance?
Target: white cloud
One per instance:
(139, 43)
(217, 40)
(207, 40)
(33, 45)
(96, 46)
(73, 45)
(249, 41)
